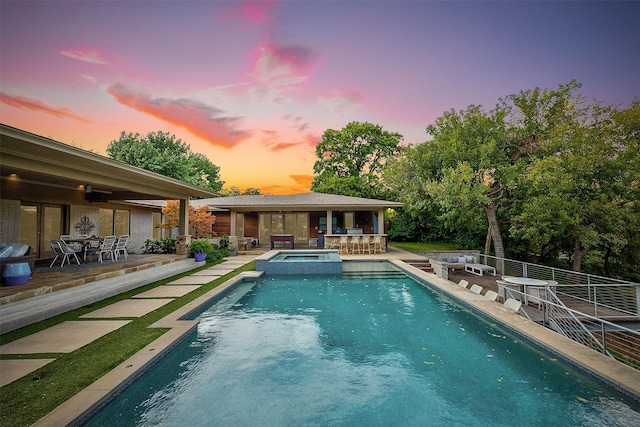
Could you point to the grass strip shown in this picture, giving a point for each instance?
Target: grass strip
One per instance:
(27, 399)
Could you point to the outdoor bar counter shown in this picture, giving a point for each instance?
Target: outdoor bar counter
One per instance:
(332, 241)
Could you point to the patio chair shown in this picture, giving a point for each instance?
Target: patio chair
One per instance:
(60, 249)
(78, 247)
(106, 247)
(121, 246)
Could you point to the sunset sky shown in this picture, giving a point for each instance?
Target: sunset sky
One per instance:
(253, 85)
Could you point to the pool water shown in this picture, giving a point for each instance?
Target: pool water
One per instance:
(359, 351)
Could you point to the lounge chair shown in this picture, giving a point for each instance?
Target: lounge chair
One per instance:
(476, 289)
(512, 304)
(492, 295)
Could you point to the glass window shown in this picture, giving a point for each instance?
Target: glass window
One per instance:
(121, 222)
(106, 222)
(157, 230)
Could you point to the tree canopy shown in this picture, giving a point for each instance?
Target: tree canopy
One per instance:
(163, 153)
(548, 171)
(350, 160)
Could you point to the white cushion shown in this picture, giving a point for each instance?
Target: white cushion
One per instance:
(462, 260)
(5, 251)
(469, 258)
(18, 249)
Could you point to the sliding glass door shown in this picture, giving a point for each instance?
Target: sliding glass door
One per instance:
(287, 223)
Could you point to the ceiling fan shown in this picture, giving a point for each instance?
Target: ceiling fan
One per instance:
(88, 189)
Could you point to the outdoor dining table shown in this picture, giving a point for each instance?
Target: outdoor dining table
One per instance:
(89, 242)
(521, 284)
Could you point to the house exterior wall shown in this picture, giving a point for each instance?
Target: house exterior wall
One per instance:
(222, 225)
(10, 224)
(141, 229)
(78, 212)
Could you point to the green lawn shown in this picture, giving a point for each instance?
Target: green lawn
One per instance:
(424, 247)
(26, 400)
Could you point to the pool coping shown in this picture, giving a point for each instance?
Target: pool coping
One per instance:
(620, 376)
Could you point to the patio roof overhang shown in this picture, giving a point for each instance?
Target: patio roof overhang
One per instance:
(36, 160)
(296, 203)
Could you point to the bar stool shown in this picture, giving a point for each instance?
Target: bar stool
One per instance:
(344, 243)
(366, 244)
(355, 244)
(377, 244)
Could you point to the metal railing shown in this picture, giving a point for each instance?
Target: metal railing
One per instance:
(614, 340)
(610, 298)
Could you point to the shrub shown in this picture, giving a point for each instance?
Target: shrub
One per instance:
(162, 246)
(200, 245)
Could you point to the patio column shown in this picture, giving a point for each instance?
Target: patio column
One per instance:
(381, 221)
(329, 222)
(184, 239)
(232, 226)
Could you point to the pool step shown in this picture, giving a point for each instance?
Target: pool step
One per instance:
(374, 274)
(422, 265)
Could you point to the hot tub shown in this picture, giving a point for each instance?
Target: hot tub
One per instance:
(300, 262)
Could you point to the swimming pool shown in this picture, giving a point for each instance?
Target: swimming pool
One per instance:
(362, 350)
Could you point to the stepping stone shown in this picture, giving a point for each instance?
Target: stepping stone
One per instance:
(128, 308)
(167, 291)
(11, 370)
(207, 272)
(220, 271)
(63, 338)
(193, 280)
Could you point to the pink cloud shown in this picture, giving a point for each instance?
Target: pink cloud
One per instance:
(202, 120)
(273, 143)
(256, 12)
(92, 56)
(277, 62)
(24, 103)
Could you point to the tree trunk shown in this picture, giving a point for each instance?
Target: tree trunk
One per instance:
(487, 242)
(579, 252)
(607, 262)
(494, 228)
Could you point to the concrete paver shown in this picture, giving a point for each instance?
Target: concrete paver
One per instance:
(63, 338)
(210, 272)
(193, 280)
(217, 270)
(128, 308)
(13, 369)
(167, 291)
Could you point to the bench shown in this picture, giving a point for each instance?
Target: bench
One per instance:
(479, 269)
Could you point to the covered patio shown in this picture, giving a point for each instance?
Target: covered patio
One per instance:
(49, 189)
